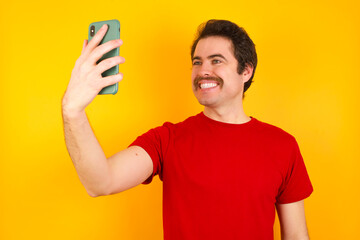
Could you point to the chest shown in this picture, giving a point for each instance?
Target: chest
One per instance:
(225, 165)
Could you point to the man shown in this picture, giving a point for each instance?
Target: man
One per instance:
(223, 172)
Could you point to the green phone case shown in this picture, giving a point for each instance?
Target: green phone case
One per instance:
(112, 33)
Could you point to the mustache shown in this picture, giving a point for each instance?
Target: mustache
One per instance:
(197, 79)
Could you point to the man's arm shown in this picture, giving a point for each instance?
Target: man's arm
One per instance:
(292, 221)
(99, 175)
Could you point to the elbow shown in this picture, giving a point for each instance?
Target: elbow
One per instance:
(93, 195)
(99, 194)
(98, 188)
(96, 193)
(103, 190)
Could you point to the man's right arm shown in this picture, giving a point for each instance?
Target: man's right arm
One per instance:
(99, 175)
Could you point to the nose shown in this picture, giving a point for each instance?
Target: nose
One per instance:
(205, 69)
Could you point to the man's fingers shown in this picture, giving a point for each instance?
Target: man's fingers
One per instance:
(103, 49)
(110, 80)
(84, 46)
(107, 64)
(96, 39)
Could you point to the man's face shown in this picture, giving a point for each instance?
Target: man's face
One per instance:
(215, 79)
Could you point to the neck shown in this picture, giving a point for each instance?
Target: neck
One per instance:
(227, 115)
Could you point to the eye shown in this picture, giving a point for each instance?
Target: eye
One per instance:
(216, 61)
(196, 63)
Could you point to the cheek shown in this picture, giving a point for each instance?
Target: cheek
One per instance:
(222, 73)
(193, 73)
(232, 80)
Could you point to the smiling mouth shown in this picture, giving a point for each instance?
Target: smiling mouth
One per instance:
(207, 85)
(208, 82)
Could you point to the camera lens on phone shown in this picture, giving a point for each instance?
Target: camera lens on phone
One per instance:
(92, 30)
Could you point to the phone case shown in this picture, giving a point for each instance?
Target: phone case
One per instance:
(112, 33)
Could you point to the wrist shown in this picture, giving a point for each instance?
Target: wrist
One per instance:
(71, 112)
(67, 107)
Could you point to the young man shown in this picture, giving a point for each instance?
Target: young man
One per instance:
(223, 173)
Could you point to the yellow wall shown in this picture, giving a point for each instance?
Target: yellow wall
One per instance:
(307, 82)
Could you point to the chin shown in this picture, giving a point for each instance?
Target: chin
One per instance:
(206, 102)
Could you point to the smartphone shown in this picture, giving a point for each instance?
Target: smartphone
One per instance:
(112, 33)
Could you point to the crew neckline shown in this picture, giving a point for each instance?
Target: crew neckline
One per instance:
(224, 124)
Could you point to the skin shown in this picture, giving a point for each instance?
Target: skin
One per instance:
(292, 221)
(99, 175)
(213, 62)
(86, 80)
(214, 58)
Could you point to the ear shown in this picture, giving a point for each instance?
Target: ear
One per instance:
(247, 73)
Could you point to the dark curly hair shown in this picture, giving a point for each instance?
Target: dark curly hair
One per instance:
(244, 48)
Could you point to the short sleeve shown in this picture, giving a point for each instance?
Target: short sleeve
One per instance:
(296, 185)
(155, 143)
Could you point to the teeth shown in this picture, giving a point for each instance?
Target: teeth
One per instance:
(207, 85)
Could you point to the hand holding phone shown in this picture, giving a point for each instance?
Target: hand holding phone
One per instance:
(87, 78)
(112, 33)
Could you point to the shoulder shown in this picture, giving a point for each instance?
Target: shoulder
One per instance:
(188, 122)
(273, 133)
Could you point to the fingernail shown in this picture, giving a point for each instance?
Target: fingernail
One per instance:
(103, 26)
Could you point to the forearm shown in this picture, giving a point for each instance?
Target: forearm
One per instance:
(85, 83)
(86, 153)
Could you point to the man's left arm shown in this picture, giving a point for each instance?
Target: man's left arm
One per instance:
(292, 221)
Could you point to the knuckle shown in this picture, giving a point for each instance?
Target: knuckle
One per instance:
(104, 63)
(93, 84)
(111, 62)
(111, 45)
(97, 52)
(116, 42)
(104, 48)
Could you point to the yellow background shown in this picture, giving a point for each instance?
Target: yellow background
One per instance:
(307, 82)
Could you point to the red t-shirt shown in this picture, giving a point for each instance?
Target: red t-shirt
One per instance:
(222, 181)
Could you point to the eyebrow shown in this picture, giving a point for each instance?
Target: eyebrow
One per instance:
(210, 57)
